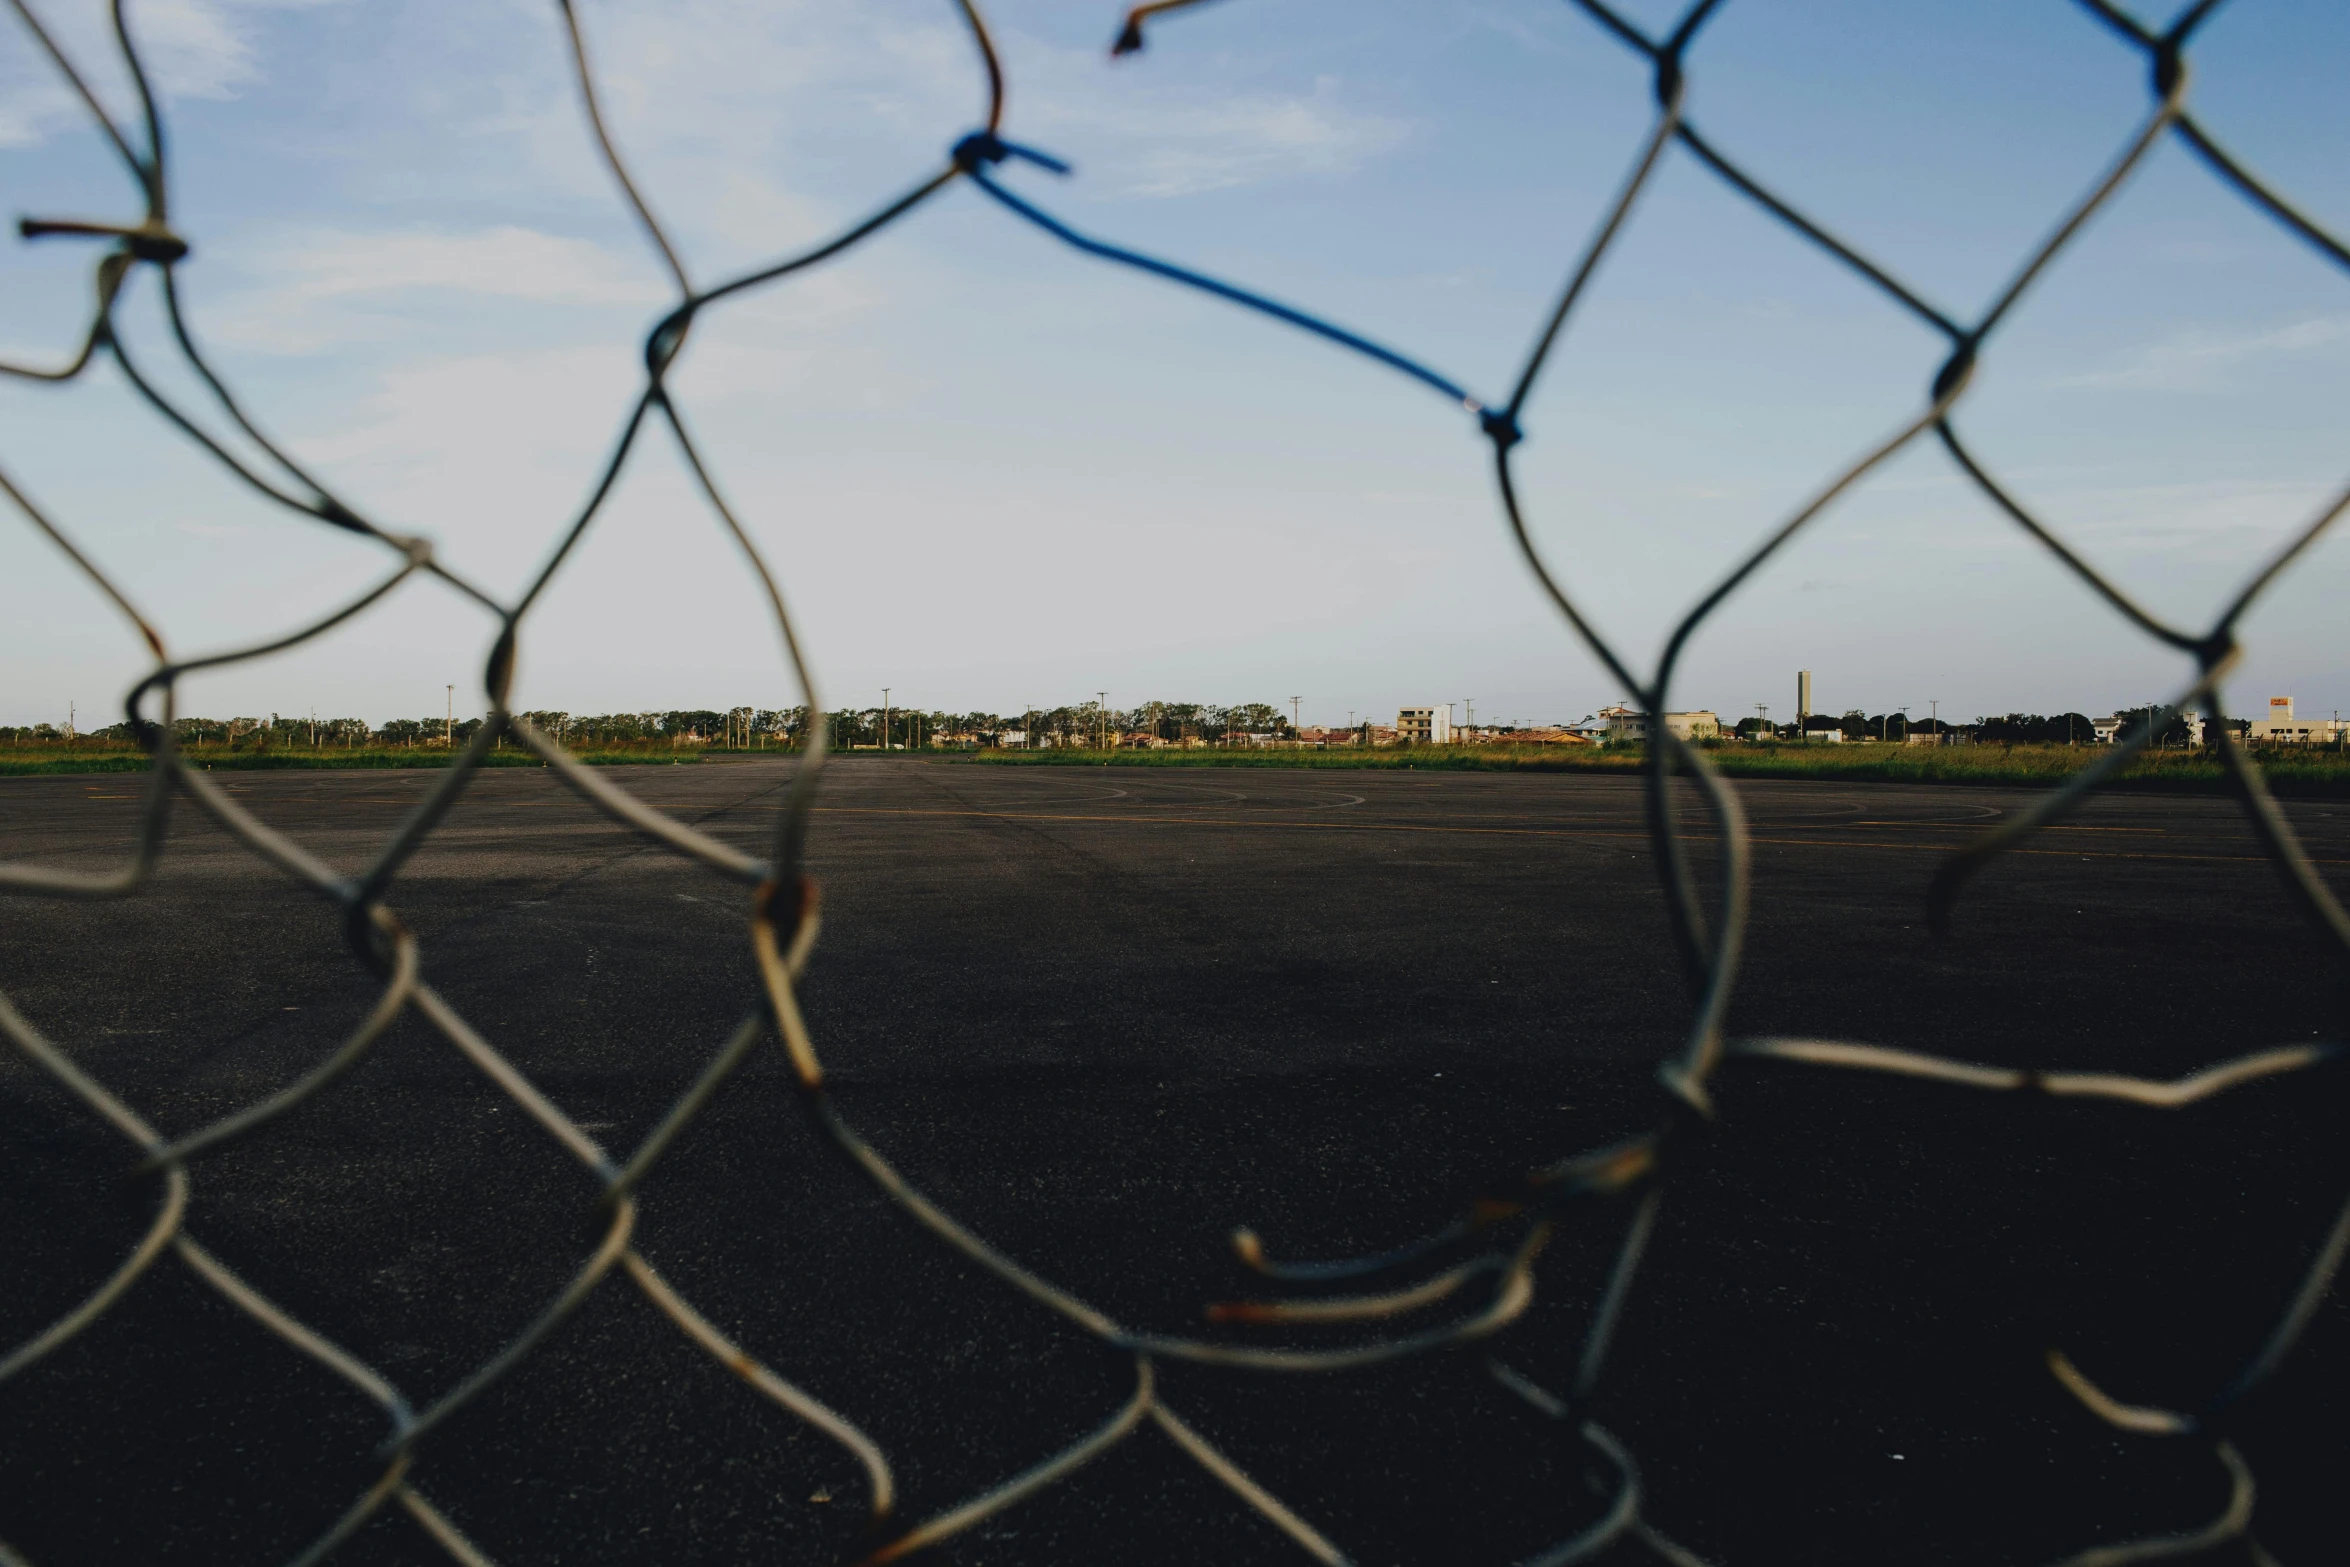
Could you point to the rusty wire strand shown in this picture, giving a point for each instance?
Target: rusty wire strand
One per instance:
(1512, 1226)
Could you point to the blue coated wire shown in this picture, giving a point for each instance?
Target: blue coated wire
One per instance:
(974, 152)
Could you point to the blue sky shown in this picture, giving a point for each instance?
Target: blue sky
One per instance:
(992, 472)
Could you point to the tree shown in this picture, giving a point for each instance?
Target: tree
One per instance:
(2170, 731)
(1890, 726)
(555, 726)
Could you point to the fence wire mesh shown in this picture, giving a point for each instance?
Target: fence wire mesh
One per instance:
(1487, 1258)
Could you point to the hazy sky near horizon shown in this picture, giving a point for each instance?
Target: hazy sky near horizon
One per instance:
(992, 472)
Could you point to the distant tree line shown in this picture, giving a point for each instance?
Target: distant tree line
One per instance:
(1086, 725)
(1083, 724)
(2003, 729)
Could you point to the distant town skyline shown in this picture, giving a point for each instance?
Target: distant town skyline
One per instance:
(1263, 712)
(971, 452)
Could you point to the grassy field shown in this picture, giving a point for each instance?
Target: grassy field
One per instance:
(2304, 773)
(53, 757)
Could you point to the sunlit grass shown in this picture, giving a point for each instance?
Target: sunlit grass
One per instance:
(2290, 770)
(79, 757)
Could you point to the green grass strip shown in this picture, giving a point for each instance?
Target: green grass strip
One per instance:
(2317, 774)
(32, 761)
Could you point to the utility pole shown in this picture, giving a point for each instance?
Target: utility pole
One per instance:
(449, 723)
(1101, 702)
(1469, 707)
(1762, 719)
(1293, 717)
(1934, 712)
(885, 720)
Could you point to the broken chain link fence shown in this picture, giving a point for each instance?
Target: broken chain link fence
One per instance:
(1487, 1257)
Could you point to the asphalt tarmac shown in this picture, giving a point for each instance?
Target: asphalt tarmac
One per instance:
(1105, 1016)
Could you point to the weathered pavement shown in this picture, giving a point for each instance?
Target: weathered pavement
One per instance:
(1106, 1015)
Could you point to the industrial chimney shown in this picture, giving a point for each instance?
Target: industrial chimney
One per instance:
(1802, 696)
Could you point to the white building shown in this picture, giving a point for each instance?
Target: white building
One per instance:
(1626, 726)
(1424, 725)
(2282, 728)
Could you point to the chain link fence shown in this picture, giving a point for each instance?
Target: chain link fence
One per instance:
(1480, 1268)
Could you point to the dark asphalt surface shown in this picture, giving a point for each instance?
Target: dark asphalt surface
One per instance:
(1106, 1016)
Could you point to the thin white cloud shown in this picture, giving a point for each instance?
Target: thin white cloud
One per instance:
(2203, 361)
(504, 262)
(1245, 140)
(191, 49)
(457, 418)
(1146, 140)
(325, 287)
(782, 80)
(2217, 522)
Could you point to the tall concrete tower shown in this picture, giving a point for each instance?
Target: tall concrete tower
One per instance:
(1802, 695)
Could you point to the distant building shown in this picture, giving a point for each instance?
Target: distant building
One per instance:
(2107, 728)
(2282, 728)
(1424, 725)
(1626, 726)
(1696, 725)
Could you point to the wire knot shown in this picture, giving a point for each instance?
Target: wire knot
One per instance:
(1956, 371)
(1669, 80)
(2170, 66)
(148, 242)
(1501, 426)
(985, 147)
